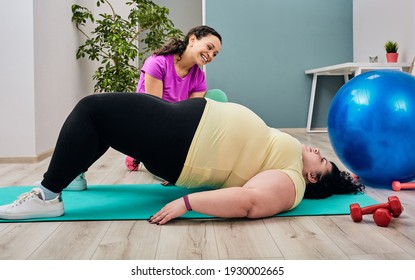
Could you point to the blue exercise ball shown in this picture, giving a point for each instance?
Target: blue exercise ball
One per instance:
(371, 126)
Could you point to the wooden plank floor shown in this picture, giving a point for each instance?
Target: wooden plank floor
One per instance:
(285, 238)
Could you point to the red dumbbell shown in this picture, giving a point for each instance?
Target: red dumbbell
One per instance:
(382, 217)
(397, 186)
(393, 205)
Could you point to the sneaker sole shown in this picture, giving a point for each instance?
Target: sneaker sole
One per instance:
(25, 216)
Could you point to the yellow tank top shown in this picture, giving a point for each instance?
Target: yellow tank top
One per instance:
(232, 144)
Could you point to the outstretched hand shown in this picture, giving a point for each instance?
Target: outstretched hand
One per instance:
(170, 211)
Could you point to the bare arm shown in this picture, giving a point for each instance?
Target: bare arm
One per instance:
(266, 194)
(153, 86)
(197, 94)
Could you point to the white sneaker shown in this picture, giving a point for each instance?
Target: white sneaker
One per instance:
(32, 205)
(78, 184)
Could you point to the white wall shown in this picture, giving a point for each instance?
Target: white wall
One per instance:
(60, 80)
(185, 14)
(378, 21)
(41, 80)
(17, 124)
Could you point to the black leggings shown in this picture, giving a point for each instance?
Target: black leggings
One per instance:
(149, 129)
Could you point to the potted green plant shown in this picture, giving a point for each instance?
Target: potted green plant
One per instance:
(121, 44)
(391, 48)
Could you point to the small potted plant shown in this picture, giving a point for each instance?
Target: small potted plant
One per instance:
(391, 48)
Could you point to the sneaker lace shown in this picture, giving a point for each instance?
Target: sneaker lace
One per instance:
(25, 196)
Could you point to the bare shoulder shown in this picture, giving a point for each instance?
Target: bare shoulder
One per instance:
(272, 178)
(273, 189)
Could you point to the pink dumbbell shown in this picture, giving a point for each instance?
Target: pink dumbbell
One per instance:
(130, 163)
(397, 186)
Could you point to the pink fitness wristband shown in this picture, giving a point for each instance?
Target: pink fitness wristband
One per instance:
(187, 203)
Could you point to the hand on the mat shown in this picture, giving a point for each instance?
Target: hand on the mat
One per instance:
(172, 210)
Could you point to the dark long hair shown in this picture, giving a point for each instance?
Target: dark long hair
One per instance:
(335, 182)
(178, 46)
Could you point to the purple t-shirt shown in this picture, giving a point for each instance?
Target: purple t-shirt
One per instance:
(175, 88)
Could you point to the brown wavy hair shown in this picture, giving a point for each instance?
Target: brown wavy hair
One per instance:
(178, 46)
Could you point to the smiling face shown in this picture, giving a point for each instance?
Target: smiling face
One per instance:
(314, 164)
(205, 49)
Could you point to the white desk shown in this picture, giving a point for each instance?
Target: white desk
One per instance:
(344, 69)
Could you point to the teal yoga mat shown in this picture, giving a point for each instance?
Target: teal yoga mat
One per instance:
(138, 202)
